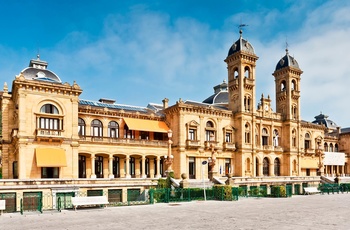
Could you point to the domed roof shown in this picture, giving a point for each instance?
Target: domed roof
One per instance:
(37, 71)
(322, 119)
(287, 60)
(220, 96)
(241, 45)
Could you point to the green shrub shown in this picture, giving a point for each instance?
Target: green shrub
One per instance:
(278, 191)
(223, 192)
(0, 173)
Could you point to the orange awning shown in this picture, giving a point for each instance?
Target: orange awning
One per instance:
(146, 125)
(49, 157)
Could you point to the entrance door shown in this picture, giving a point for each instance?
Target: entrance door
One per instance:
(64, 200)
(32, 201)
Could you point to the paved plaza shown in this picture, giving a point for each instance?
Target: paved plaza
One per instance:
(297, 212)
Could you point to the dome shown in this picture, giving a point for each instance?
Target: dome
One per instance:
(322, 119)
(220, 96)
(241, 45)
(287, 60)
(37, 71)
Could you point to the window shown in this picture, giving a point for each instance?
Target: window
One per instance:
(228, 137)
(283, 86)
(50, 122)
(82, 166)
(192, 168)
(130, 134)
(294, 139)
(192, 134)
(246, 72)
(293, 85)
(49, 172)
(266, 167)
(275, 138)
(247, 134)
(113, 129)
(336, 148)
(330, 147)
(116, 167)
(325, 147)
(81, 127)
(144, 135)
(265, 136)
(247, 103)
(96, 128)
(277, 166)
(99, 166)
(49, 108)
(307, 141)
(210, 131)
(227, 166)
(235, 73)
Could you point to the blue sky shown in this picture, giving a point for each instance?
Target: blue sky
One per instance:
(138, 52)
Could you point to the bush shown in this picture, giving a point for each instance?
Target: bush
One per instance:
(223, 192)
(278, 191)
(0, 173)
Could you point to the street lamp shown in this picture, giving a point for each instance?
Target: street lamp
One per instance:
(169, 158)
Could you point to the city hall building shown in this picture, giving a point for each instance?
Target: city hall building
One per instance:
(56, 142)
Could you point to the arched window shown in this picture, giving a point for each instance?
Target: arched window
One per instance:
(330, 147)
(113, 129)
(210, 131)
(49, 108)
(266, 165)
(294, 139)
(307, 141)
(336, 149)
(277, 167)
(235, 73)
(247, 133)
(81, 127)
(325, 147)
(246, 72)
(50, 123)
(96, 128)
(275, 138)
(247, 103)
(294, 111)
(293, 85)
(264, 137)
(283, 85)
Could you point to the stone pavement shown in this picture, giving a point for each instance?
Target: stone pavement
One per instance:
(297, 212)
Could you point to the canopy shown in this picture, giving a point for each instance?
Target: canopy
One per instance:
(49, 157)
(146, 125)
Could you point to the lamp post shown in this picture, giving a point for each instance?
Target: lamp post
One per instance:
(169, 158)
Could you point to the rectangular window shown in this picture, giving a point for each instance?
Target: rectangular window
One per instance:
(209, 135)
(228, 137)
(192, 168)
(192, 134)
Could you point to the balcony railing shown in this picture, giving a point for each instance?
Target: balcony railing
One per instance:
(49, 133)
(127, 141)
(278, 148)
(193, 143)
(229, 146)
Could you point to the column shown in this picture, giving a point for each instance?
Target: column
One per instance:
(272, 170)
(121, 167)
(137, 168)
(158, 167)
(143, 163)
(93, 175)
(110, 167)
(151, 168)
(127, 162)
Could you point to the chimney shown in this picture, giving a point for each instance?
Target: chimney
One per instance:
(165, 103)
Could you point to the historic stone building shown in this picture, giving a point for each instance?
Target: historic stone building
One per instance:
(64, 143)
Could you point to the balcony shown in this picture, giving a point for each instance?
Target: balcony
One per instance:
(193, 144)
(49, 134)
(310, 152)
(229, 146)
(281, 95)
(278, 149)
(209, 144)
(268, 148)
(295, 94)
(248, 83)
(122, 141)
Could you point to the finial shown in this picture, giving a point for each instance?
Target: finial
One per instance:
(286, 46)
(240, 28)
